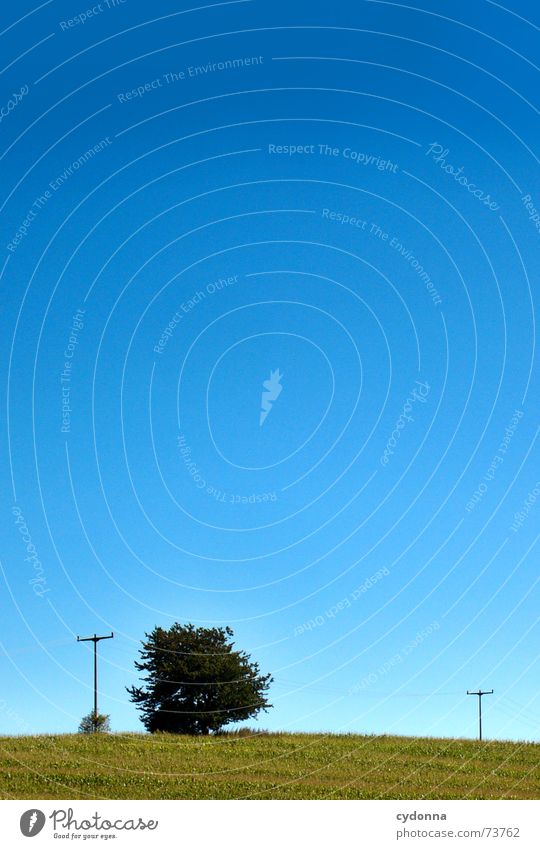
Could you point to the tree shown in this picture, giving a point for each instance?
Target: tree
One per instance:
(94, 723)
(196, 682)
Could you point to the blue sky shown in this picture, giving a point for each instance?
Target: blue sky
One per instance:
(192, 201)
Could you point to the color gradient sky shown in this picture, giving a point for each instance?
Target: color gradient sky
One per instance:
(195, 199)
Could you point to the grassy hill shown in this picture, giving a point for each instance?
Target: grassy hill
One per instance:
(265, 766)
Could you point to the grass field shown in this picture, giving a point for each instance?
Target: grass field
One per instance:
(265, 766)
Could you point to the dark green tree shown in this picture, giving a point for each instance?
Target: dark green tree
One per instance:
(95, 723)
(196, 681)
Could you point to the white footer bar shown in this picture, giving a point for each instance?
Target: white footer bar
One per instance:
(265, 825)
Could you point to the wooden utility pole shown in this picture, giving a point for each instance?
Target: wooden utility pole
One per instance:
(95, 639)
(479, 693)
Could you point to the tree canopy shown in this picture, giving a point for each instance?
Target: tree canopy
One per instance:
(195, 681)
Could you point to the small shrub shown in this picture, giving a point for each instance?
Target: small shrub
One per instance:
(95, 723)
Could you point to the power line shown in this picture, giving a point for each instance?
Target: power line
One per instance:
(367, 691)
(523, 709)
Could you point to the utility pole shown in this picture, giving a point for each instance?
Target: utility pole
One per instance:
(95, 639)
(479, 693)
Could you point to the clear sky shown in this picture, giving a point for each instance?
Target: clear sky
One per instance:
(340, 201)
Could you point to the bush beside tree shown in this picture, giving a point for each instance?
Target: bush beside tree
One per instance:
(95, 723)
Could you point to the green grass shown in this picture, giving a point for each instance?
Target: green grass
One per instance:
(265, 766)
